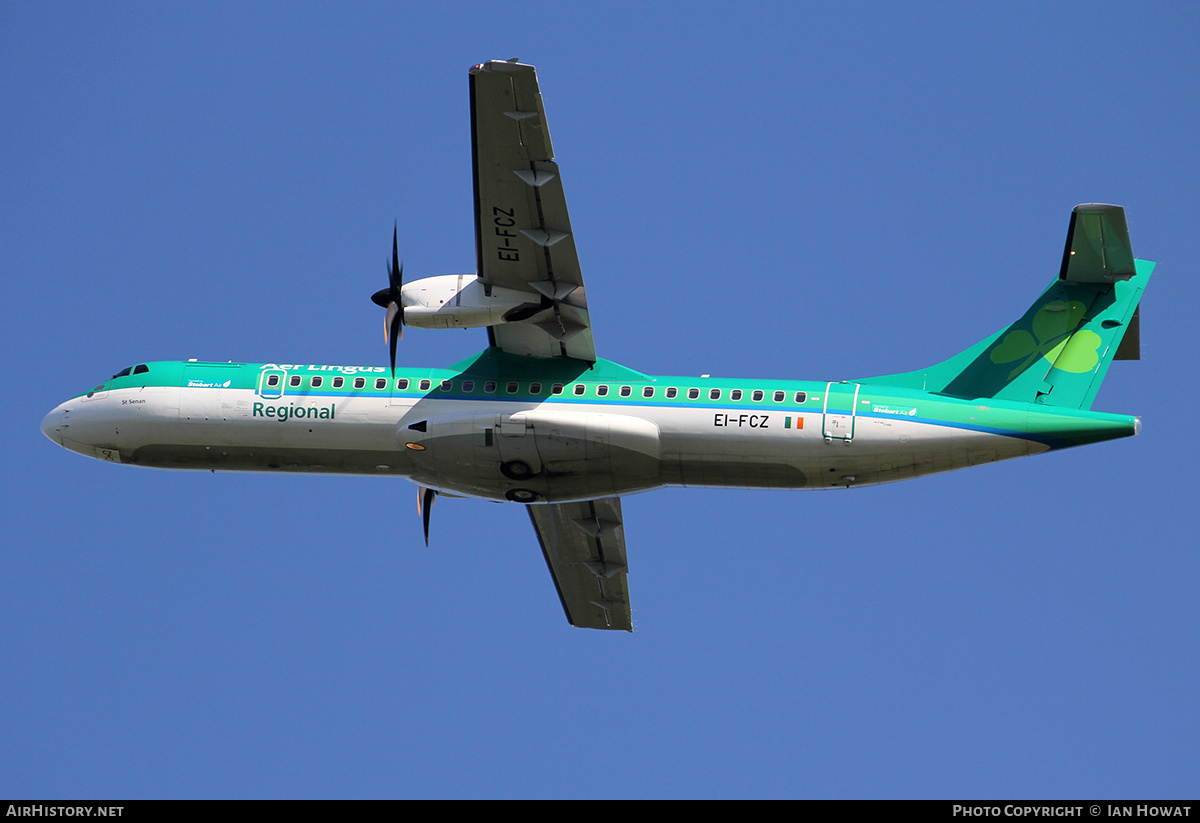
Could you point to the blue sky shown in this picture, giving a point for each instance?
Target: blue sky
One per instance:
(796, 190)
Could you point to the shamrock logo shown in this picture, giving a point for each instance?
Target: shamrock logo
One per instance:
(1052, 330)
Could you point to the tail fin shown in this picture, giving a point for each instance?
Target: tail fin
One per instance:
(1058, 353)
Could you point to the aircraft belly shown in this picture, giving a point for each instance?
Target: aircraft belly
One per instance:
(232, 429)
(732, 449)
(270, 458)
(704, 448)
(556, 454)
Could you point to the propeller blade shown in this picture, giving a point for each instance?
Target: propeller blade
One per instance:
(393, 331)
(396, 270)
(425, 498)
(391, 298)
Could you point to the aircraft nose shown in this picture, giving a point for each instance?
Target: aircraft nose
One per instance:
(51, 425)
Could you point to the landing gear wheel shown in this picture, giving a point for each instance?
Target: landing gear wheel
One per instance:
(521, 495)
(516, 470)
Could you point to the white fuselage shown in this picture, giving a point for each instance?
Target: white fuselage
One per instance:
(552, 450)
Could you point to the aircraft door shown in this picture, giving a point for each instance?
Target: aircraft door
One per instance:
(271, 383)
(838, 413)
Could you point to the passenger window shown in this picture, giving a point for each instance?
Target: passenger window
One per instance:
(381, 383)
(714, 394)
(736, 394)
(671, 392)
(626, 391)
(801, 396)
(338, 382)
(511, 388)
(402, 384)
(556, 388)
(757, 395)
(446, 385)
(316, 381)
(359, 382)
(294, 380)
(424, 385)
(648, 391)
(579, 388)
(693, 394)
(489, 386)
(779, 396)
(141, 369)
(601, 390)
(535, 388)
(468, 386)
(272, 380)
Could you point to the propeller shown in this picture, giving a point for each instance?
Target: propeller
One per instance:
(389, 298)
(425, 497)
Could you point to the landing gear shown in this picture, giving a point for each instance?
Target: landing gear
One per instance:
(521, 495)
(516, 470)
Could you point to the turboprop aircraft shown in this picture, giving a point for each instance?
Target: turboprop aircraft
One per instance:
(538, 419)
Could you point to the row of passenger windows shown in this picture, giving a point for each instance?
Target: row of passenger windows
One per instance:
(513, 387)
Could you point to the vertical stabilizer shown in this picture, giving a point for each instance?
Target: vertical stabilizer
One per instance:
(1058, 352)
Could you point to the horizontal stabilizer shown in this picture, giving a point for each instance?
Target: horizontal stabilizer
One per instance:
(1098, 248)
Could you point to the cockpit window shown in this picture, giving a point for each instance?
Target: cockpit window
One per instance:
(141, 369)
(124, 372)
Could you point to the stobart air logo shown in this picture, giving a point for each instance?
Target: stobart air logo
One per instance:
(1053, 329)
(893, 410)
(293, 412)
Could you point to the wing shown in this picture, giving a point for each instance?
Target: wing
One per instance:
(584, 546)
(522, 230)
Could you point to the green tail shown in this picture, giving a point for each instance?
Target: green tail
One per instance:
(1058, 353)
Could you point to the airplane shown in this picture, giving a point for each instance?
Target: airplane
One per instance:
(538, 419)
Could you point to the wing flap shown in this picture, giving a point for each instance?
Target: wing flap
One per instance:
(584, 547)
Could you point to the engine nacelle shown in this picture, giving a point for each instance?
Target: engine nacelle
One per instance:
(459, 301)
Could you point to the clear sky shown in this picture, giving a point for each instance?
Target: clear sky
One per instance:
(817, 191)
